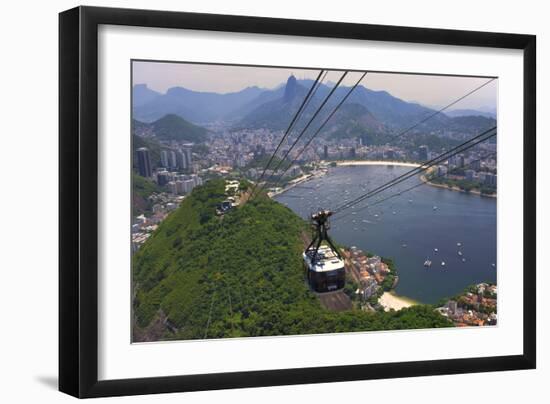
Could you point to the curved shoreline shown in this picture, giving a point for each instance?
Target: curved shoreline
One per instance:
(348, 163)
(351, 163)
(297, 181)
(456, 189)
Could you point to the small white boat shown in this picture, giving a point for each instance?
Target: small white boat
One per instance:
(463, 259)
(404, 245)
(493, 265)
(459, 244)
(427, 263)
(443, 263)
(394, 212)
(436, 249)
(460, 253)
(434, 208)
(376, 215)
(410, 201)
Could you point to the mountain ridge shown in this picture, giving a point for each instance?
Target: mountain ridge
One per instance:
(254, 107)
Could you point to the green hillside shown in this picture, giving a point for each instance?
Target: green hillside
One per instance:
(142, 188)
(203, 276)
(173, 127)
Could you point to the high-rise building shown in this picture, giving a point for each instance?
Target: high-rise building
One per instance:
(423, 153)
(491, 179)
(188, 186)
(163, 177)
(179, 187)
(172, 186)
(172, 161)
(188, 155)
(144, 162)
(476, 164)
(181, 160)
(482, 177)
(164, 159)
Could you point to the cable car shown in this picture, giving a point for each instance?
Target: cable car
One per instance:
(322, 260)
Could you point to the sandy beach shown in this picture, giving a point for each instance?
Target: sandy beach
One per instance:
(390, 300)
(346, 163)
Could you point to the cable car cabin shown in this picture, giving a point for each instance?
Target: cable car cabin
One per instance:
(325, 270)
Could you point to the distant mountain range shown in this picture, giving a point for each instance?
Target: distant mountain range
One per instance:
(194, 106)
(365, 112)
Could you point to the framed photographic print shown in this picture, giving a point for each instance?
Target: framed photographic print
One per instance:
(250, 201)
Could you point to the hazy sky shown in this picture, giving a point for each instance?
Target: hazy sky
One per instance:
(433, 91)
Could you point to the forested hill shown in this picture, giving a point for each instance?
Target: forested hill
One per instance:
(203, 276)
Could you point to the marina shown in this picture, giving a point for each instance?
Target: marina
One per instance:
(415, 234)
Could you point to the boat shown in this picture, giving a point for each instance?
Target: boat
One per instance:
(427, 263)
(463, 259)
(394, 212)
(404, 245)
(410, 201)
(493, 265)
(376, 215)
(459, 244)
(436, 249)
(460, 253)
(434, 208)
(443, 263)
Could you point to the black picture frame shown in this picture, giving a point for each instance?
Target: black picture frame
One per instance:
(78, 196)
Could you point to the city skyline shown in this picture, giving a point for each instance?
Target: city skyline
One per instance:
(430, 90)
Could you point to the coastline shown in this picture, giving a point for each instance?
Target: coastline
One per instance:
(456, 189)
(390, 300)
(341, 163)
(348, 163)
(298, 181)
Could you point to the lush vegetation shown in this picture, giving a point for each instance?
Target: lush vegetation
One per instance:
(239, 275)
(173, 127)
(142, 189)
(389, 280)
(463, 184)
